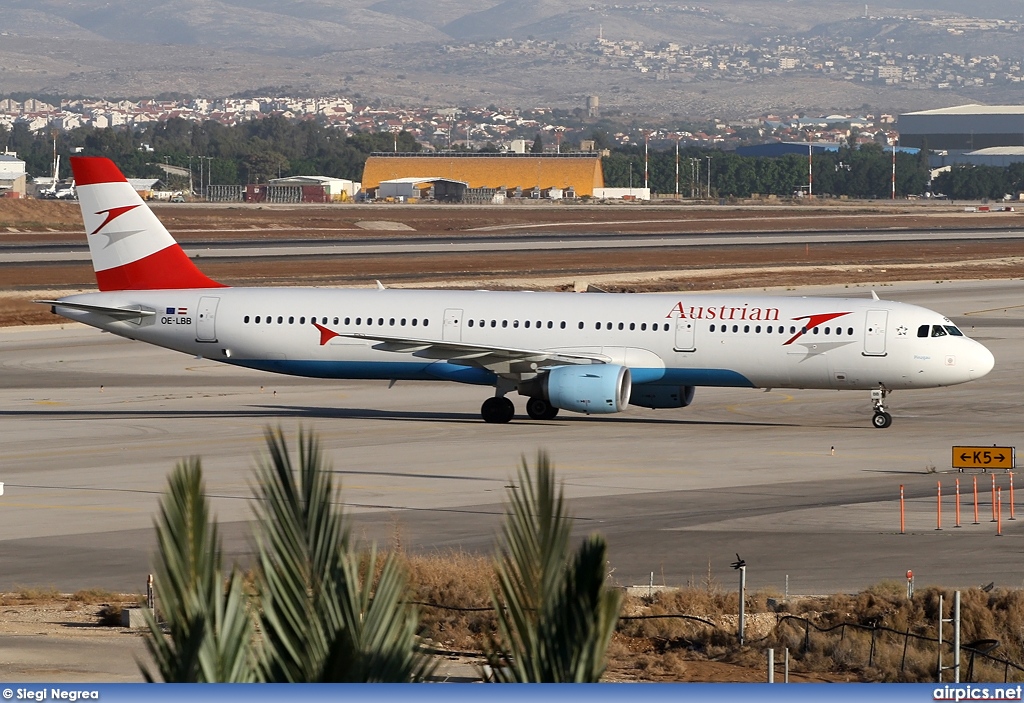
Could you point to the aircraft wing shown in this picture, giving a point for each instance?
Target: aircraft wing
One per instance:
(120, 313)
(500, 360)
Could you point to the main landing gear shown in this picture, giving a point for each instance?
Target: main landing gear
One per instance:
(500, 409)
(497, 409)
(540, 409)
(881, 418)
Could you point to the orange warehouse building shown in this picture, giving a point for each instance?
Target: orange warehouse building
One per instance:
(526, 171)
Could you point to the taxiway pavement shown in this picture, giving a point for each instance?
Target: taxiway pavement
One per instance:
(90, 426)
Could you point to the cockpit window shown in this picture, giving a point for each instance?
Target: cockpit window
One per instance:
(938, 331)
(954, 330)
(922, 331)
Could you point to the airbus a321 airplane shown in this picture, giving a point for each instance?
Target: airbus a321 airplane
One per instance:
(586, 353)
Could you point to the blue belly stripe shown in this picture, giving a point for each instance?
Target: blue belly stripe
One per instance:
(441, 371)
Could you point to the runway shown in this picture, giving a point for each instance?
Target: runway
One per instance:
(515, 241)
(91, 425)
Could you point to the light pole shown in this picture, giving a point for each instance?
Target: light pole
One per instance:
(709, 177)
(677, 166)
(894, 139)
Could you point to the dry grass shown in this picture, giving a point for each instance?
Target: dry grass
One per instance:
(828, 638)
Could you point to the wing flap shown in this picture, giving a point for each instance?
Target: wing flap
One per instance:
(485, 356)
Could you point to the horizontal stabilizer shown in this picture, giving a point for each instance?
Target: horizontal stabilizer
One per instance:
(119, 313)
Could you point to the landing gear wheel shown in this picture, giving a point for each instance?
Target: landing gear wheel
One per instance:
(881, 420)
(497, 410)
(540, 409)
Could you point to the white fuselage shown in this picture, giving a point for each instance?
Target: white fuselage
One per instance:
(741, 340)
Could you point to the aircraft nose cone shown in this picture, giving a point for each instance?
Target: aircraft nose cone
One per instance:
(982, 362)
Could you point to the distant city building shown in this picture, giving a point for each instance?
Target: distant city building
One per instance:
(12, 176)
(593, 106)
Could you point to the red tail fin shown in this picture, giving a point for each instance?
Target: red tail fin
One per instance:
(130, 248)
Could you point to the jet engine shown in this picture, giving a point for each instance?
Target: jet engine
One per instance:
(593, 389)
(657, 397)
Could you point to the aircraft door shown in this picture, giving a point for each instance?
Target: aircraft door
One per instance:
(874, 332)
(452, 330)
(685, 333)
(206, 319)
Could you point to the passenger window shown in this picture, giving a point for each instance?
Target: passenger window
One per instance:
(291, 320)
(938, 331)
(257, 319)
(815, 330)
(470, 322)
(769, 330)
(712, 328)
(758, 329)
(246, 319)
(415, 322)
(551, 324)
(525, 324)
(426, 322)
(302, 320)
(515, 323)
(746, 328)
(581, 325)
(828, 330)
(849, 331)
(494, 323)
(541, 324)
(403, 322)
(666, 327)
(735, 328)
(562, 325)
(504, 323)
(632, 326)
(391, 322)
(643, 327)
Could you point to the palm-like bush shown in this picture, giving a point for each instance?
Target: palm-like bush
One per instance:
(555, 615)
(327, 613)
(210, 630)
(324, 615)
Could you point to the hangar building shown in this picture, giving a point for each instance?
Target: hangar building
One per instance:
(527, 172)
(963, 128)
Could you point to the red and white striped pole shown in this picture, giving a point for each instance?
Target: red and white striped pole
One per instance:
(993, 498)
(957, 503)
(1012, 516)
(903, 514)
(976, 501)
(999, 512)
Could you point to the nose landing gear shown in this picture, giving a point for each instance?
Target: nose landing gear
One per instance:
(881, 418)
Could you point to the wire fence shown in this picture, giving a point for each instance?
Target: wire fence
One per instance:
(840, 634)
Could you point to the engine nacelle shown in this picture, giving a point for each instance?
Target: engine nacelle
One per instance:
(658, 397)
(593, 389)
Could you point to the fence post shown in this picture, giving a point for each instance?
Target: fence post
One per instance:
(956, 637)
(906, 641)
(938, 507)
(871, 653)
(939, 663)
(771, 665)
